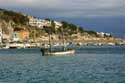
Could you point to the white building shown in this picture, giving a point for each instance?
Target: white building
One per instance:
(101, 34)
(57, 24)
(0, 35)
(108, 34)
(38, 22)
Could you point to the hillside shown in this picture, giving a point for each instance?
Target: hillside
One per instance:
(10, 20)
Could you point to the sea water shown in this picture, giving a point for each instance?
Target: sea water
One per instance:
(90, 64)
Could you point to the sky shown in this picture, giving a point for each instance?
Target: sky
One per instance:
(99, 15)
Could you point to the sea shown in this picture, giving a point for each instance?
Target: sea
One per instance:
(90, 64)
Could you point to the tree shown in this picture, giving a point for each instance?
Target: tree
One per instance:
(64, 24)
(53, 26)
(14, 16)
(91, 32)
(47, 19)
(80, 29)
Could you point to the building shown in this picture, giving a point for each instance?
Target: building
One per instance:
(0, 35)
(102, 34)
(57, 24)
(15, 36)
(20, 35)
(38, 22)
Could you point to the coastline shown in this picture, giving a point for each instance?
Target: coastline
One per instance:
(45, 43)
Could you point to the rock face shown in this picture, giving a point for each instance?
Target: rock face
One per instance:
(6, 30)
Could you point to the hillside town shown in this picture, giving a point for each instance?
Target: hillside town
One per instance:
(11, 34)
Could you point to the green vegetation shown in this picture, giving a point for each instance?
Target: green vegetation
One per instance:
(17, 18)
(35, 32)
(93, 33)
(107, 36)
(47, 19)
(80, 29)
(69, 28)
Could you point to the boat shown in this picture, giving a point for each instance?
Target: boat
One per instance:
(50, 51)
(57, 53)
(13, 45)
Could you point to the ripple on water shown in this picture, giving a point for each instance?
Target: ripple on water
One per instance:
(88, 66)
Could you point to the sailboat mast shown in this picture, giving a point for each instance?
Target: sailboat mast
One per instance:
(50, 42)
(63, 41)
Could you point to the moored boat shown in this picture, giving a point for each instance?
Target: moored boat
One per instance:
(57, 52)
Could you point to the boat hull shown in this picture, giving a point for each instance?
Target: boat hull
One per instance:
(58, 53)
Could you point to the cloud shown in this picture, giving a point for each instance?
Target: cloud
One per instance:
(68, 8)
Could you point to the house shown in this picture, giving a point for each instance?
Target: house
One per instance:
(101, 34)
(0, 35)
(57, 24)
(20, 35)
(15, 36)
(40, 23)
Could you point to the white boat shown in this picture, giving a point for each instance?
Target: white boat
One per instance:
(16, 45)
(57, 53)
